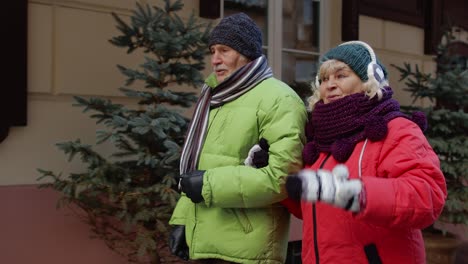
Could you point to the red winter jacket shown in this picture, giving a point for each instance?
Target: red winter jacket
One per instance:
(405, 192)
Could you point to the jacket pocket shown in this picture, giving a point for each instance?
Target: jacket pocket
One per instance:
(243, 220)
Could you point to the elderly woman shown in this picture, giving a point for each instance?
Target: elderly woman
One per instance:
(371, 180)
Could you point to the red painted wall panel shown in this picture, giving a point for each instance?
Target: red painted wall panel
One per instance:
(32, 230)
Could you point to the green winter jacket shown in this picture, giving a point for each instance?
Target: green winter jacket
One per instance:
(241, 219)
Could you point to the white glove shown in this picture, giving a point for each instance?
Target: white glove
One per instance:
(333, 187)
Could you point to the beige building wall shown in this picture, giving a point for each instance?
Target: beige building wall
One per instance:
(68, 54)
(396, 43)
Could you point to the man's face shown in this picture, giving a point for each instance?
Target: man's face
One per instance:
(225, 61)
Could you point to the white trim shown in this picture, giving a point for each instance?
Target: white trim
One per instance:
(360, 158)
(296, 51)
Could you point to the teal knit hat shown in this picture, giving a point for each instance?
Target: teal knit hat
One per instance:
(356, 56)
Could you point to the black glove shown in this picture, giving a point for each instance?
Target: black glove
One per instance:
(294, 187)
(177, 242)
(191, 184)
(258, 155)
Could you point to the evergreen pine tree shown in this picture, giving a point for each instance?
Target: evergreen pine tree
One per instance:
(447, 131)
(129, 197)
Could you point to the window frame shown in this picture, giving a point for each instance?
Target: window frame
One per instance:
(275, 47)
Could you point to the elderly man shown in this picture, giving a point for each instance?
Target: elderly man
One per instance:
(229, 212)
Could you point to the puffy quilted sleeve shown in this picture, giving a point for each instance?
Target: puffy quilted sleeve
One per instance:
(409, 189)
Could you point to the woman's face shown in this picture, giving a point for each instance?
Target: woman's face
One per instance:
(338, 81)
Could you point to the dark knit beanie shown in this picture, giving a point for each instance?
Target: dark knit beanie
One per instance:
(356, 56)
(239, 32)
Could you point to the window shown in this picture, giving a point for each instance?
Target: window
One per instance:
(291, 34)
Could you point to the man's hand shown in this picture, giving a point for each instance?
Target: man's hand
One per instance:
(258, 155)
(191, 184)
(334, 187)
(177, 242)
(258, 158)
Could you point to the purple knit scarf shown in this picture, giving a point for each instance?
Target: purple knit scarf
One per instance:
(337, 127)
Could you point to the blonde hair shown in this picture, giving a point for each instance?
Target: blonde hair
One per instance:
(371, 88)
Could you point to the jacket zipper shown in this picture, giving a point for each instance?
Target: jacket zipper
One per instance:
(314, 220)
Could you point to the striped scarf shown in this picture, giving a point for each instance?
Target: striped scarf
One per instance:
(240, 82)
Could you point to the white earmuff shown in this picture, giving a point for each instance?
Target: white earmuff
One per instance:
(375, 73)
